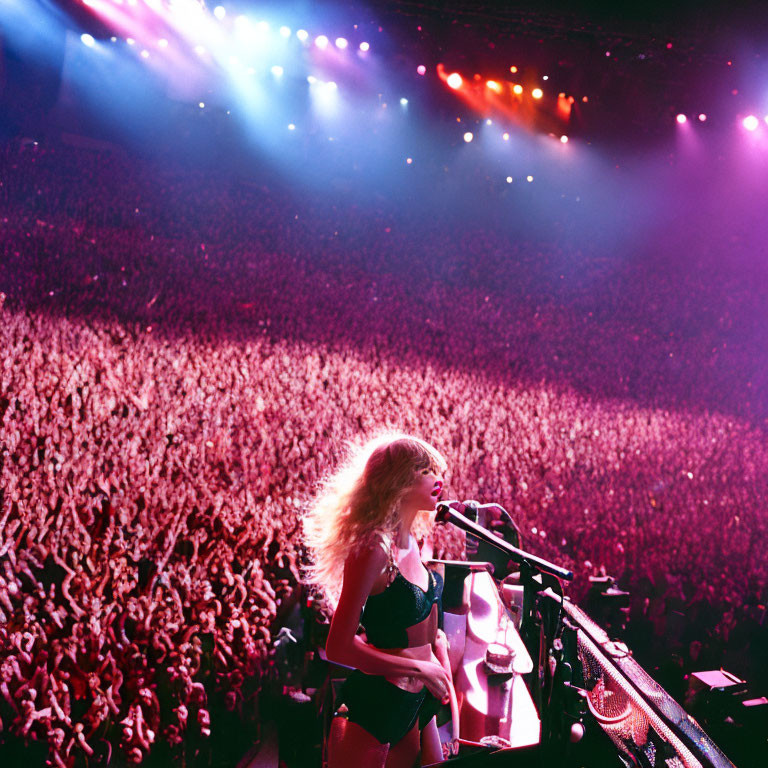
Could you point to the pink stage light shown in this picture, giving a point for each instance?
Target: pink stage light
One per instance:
(421, 69)
(751, 123)
(681, 119)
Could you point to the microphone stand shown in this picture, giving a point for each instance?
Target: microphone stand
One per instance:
(536, 575)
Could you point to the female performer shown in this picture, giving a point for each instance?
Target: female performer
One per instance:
(359, 531)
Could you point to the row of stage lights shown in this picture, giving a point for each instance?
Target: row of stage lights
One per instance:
(244, 26)
(321, 41)
(454, 80)
(750, 123)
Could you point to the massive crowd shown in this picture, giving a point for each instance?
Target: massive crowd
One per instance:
(184, 355)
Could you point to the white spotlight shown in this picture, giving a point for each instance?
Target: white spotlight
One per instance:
(201, 105)
(468, 136)
(88, 40)
(291, 127)
(145, 54)
(162, 43)
(199, 50)
(454, 80)
(537, 93)
(302, 34)
(262, 27)
(277, 70)
(509, 179)
(285, 32)
(564, 139)
(219, 12)
(321, 42)
(364, 46)
(130, 41)
(681, 119)
(750, 123)
(404, 102)
(341, 43)
(331, 86)
(529, 179)
(311, 79)
(505, 136)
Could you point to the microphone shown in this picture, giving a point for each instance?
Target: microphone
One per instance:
(445, 509)
(454, 512)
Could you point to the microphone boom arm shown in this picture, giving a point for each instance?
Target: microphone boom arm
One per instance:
(447, 514)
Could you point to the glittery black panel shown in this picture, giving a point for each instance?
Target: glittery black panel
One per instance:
(388, 614)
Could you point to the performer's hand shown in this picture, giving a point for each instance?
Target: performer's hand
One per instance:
(436, 679)
(450, 749)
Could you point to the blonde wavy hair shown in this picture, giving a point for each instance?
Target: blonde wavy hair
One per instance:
(360, 500)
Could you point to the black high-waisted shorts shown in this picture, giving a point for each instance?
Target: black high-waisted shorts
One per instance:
(384, 710)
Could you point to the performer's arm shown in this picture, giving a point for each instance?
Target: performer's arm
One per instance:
(440, 649)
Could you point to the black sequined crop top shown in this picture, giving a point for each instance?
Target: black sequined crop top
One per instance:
(388, 615)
